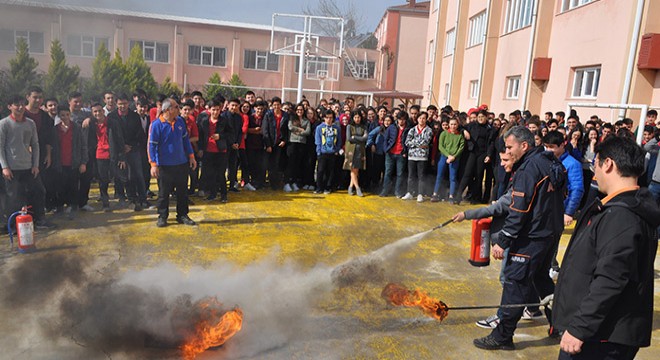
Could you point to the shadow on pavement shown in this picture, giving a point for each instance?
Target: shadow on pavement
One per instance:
(252, 221)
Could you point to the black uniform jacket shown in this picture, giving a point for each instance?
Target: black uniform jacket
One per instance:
(605, 286)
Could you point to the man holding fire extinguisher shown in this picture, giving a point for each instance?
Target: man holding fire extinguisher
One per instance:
(19, 157)
(535, 217)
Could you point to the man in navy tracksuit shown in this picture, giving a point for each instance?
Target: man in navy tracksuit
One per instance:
(170, 154)
(535, 218)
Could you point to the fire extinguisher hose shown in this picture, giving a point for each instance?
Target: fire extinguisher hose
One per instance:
(443, 224)
(9, 231)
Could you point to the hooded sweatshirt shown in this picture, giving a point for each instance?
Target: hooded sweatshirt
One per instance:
(605, 287)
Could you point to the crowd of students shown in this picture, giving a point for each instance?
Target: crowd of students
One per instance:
(437, 154)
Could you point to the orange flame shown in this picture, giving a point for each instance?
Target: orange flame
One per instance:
(399, 295)
(213, 329)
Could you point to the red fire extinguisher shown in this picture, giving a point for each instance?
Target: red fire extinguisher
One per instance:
(480, 249)
(24, 229)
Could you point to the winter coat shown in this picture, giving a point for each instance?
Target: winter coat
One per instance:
(605, 286)
(419, 143)
(575, 185)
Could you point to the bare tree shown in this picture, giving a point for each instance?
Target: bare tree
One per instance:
(353, 18)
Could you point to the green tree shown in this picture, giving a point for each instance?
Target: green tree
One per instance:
(213, 86)
(61, 78)
(22, 69)
(103, 74)
(137, 73)
(168, 87)
(237, 89)
(121, 78)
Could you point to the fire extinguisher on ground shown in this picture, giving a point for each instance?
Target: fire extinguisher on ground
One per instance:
(480, 249)
(24, 230)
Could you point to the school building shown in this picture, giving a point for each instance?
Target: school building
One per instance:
(543, 55)
(188, 50)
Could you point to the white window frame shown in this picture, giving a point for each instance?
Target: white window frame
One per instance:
(512, 87)
(474, 89)
(446, 95)
(572, 4)
(26, 34)
(477, 29)
(585, 82)
(89, 40)
(518, 14)
(450, 42)
(263, 56)
(151, 45)
(436, 5)
(209, 51)
(431, 51)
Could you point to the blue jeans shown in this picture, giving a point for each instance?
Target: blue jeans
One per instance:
(453, 175)
(654, 189)
(393, 162)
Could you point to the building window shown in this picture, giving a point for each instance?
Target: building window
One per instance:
(446, 96)
(518, 14)
(207, 55)
(431, 51)
(512, 87)
(585, 82)
(571, 4)
(312, 65)
(83, 45)
(477, 29)
(365, 71)
(474, 89)
(153, 51)
(450, 42)
(261, 60)
(436, 5)
(34, 39)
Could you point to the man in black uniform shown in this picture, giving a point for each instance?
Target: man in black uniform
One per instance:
(604, 298)
(535, 218)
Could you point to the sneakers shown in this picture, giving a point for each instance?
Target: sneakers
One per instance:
(87, 207)
(295, 187)
(490, 322)
(420, 198)
(162, 222)
(489, 343)
(350, 191)
(326, 192)
(138, 206)
(435, 198)
(201, 193)
(223, 199)
(250, 187)
(318, 191)
(554, 274)
(186, 220)
(529, 315)
(106, 208)
(453, 201)
(287, 188)
(358, 192)
(407, 196)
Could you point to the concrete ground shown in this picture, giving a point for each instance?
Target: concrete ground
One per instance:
(270, 254)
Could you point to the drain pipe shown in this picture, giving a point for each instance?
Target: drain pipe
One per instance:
(453, 60)
(631, 58)
(530, 57)
(482, 65)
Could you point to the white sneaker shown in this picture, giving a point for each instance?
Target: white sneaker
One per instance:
(201, 193)
(249, 187)
(407, 196)
(489, 323)
(420, 198)
(287, 188)
(528, 315)
(554, 274)
(87, 207)
(295, 187)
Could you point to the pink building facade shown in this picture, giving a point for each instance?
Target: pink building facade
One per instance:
(188, 50)
(541, 55)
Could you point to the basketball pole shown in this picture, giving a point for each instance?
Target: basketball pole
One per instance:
(301, 63)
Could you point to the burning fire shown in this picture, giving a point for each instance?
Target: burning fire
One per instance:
(399, 295)
(213, 329)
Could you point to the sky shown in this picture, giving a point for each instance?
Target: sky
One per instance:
(250, 11)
